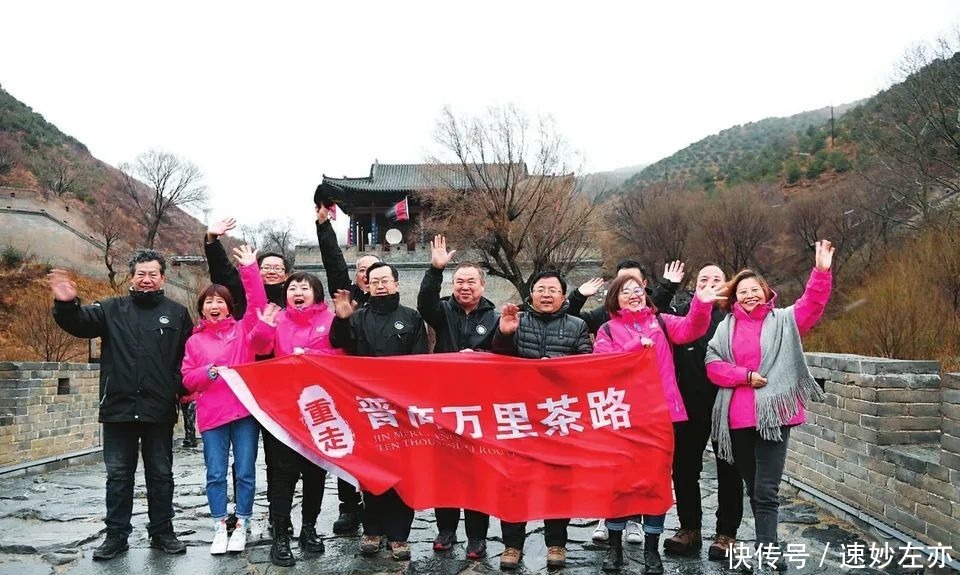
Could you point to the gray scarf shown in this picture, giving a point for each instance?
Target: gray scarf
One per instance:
(789, 383)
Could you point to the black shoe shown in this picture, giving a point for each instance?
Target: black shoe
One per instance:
(111, 547)
(445, 541)
(309, 541)
(280, 553)
(653, 565)
(613, 559)
(476, 549)
(347, 523)
(167, 542)
(189, 443)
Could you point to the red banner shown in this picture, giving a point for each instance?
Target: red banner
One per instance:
(520, 439)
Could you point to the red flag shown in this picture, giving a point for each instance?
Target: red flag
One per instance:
(400, 211)
(520, 439)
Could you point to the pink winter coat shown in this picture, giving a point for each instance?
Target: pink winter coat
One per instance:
(627, 329)
(307, 328)
(746, 347)
(225, 343)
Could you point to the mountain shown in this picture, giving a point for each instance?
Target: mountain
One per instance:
(601, 183)
(36, 155)
(754, 152)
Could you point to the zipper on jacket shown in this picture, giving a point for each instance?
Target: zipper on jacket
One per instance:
(106, 384)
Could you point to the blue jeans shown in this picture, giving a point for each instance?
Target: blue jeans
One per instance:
(243, 434)
(652, 524)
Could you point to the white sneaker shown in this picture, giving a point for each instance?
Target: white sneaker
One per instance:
(219, 545)
(601, 533)
(239, 538)
(634, 532)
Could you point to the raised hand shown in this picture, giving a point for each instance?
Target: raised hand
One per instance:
(509, 318)
(268, 314)
(824, 257)
(63, 288)
(590, 287)
(323, 213)
(439, 257)
(673, 271)
(217, 229)
(245, 255)
(343, 304)
(707, 294)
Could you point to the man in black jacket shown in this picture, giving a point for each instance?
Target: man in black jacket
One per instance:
(143, 336)
(545, 330)
(691, 439)
(662, 294)
(464, 322)
(381, 328)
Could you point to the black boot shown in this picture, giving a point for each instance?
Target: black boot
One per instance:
(309, 541)
(613, 560)
(653, 565)
(114, 543)
(348, 522)
(280, 553)
(166, 540)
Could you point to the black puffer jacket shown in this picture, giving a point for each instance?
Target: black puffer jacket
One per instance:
(456, 329)
(143, 339)
(383, 327)
(545, 335)
(697, 390)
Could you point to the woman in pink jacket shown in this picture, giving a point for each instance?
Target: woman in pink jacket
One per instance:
(219, 340)
(757, 359)
(636, 324)
(303, 326)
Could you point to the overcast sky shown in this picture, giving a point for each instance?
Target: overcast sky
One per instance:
(267, 97)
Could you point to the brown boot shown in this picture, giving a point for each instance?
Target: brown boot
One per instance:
(721, 547)
(683, 542)
(556, 557)
(510, 558)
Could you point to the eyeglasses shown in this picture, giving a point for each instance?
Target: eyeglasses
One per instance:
(551, 291)
(383, 282)
(272, 268)
(634, 291)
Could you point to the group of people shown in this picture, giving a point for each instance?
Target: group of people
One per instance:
(730, 365)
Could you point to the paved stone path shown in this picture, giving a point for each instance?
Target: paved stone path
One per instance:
(50, 522)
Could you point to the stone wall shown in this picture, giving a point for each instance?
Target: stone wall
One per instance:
(47, 410)
(886, 441)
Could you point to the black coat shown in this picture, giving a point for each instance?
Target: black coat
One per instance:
(456, 330)
(542, 335)
(697, 390)
(383, 327)
(224, 273)
(661, 295)
(142, 344)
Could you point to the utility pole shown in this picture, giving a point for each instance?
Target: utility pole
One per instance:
(832, 133)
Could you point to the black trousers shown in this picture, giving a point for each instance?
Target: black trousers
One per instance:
(284, 468)
(386, 515)
(121, 444)
(690, 441)
(189, 411)
(554, 533)
(349, 497)
(477, 523)
(761, 464)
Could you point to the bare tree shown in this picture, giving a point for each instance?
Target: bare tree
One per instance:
(505, 190)
(656, 220)
(733, 227)
(9, 154)
(33, 325)
(911, 136)
(171, 182)
(273, 236)
(59, 176)
(108, 222)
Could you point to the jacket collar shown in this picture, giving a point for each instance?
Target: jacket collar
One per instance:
(307, 314)
(223, 325)
(385, 303)
(146, 298)
(758, 312)
(528, 307)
